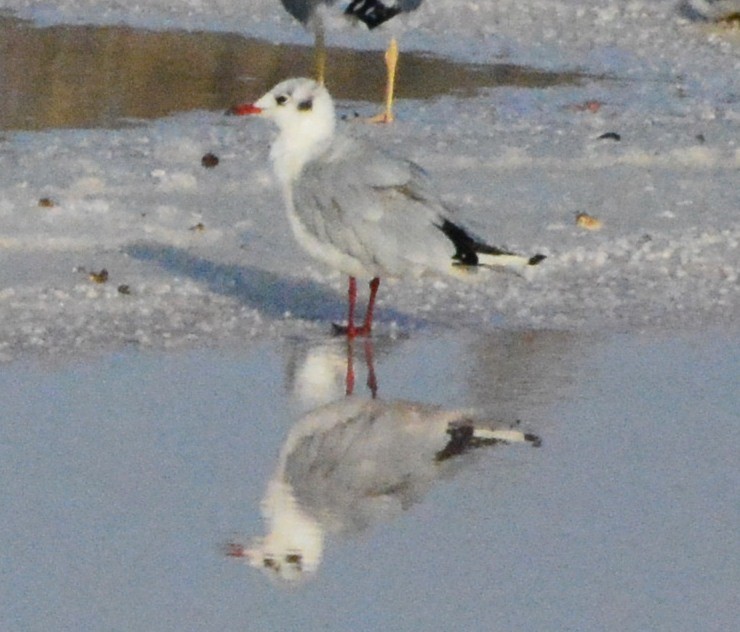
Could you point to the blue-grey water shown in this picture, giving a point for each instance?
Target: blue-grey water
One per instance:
(125, 476)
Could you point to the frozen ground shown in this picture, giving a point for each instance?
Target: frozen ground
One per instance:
(140, 427)
(519, 164)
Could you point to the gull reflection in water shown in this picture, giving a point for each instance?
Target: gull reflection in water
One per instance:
(358, 461)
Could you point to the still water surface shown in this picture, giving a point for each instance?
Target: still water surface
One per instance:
(93, 76)
(125, 477)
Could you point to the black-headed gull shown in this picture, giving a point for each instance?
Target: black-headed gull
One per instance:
(358, 209)
(354, 463)
(372, 13)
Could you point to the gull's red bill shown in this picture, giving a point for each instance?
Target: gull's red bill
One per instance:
(246, 108)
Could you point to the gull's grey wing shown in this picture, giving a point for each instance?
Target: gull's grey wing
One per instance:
(379, 209)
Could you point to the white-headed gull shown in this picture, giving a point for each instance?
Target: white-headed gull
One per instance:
(358, 209)
(372, 13)
(357, 462)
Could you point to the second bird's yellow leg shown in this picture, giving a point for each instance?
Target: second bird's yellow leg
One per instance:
(319, 55)
(391, 64)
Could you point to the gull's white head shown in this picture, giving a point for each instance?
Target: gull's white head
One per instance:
(284, 565)
(293, 547)
(304, 112)
(295, 103)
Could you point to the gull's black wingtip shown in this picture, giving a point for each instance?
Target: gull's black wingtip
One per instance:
(533, 261)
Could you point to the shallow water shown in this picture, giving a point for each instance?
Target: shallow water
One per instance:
(93, 76)
(125, 477)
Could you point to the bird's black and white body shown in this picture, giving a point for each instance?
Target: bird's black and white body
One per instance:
(353, 463)
(358, 209)
(372, 12)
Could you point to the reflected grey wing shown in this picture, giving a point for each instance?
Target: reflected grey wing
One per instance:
(376, 459)
(377, 208)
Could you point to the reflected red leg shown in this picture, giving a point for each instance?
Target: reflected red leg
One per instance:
(372, 380)
(350, 379)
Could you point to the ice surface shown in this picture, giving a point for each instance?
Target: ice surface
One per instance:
(206, 253)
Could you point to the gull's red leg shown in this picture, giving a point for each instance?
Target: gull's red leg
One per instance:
(368, 325)
(351, 330)
(352, 293)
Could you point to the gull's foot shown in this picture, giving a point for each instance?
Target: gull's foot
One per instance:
(383, 117)
(350, 332)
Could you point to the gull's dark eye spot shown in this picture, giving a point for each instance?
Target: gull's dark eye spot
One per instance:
(306, 105)
(281, 99)
(294, 558)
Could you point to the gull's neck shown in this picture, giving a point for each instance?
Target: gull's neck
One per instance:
(300, 140)
(290, 528)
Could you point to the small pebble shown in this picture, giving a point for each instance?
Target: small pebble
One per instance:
(584, 220)
(99, 277)
(209, 160)
(610, 136)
